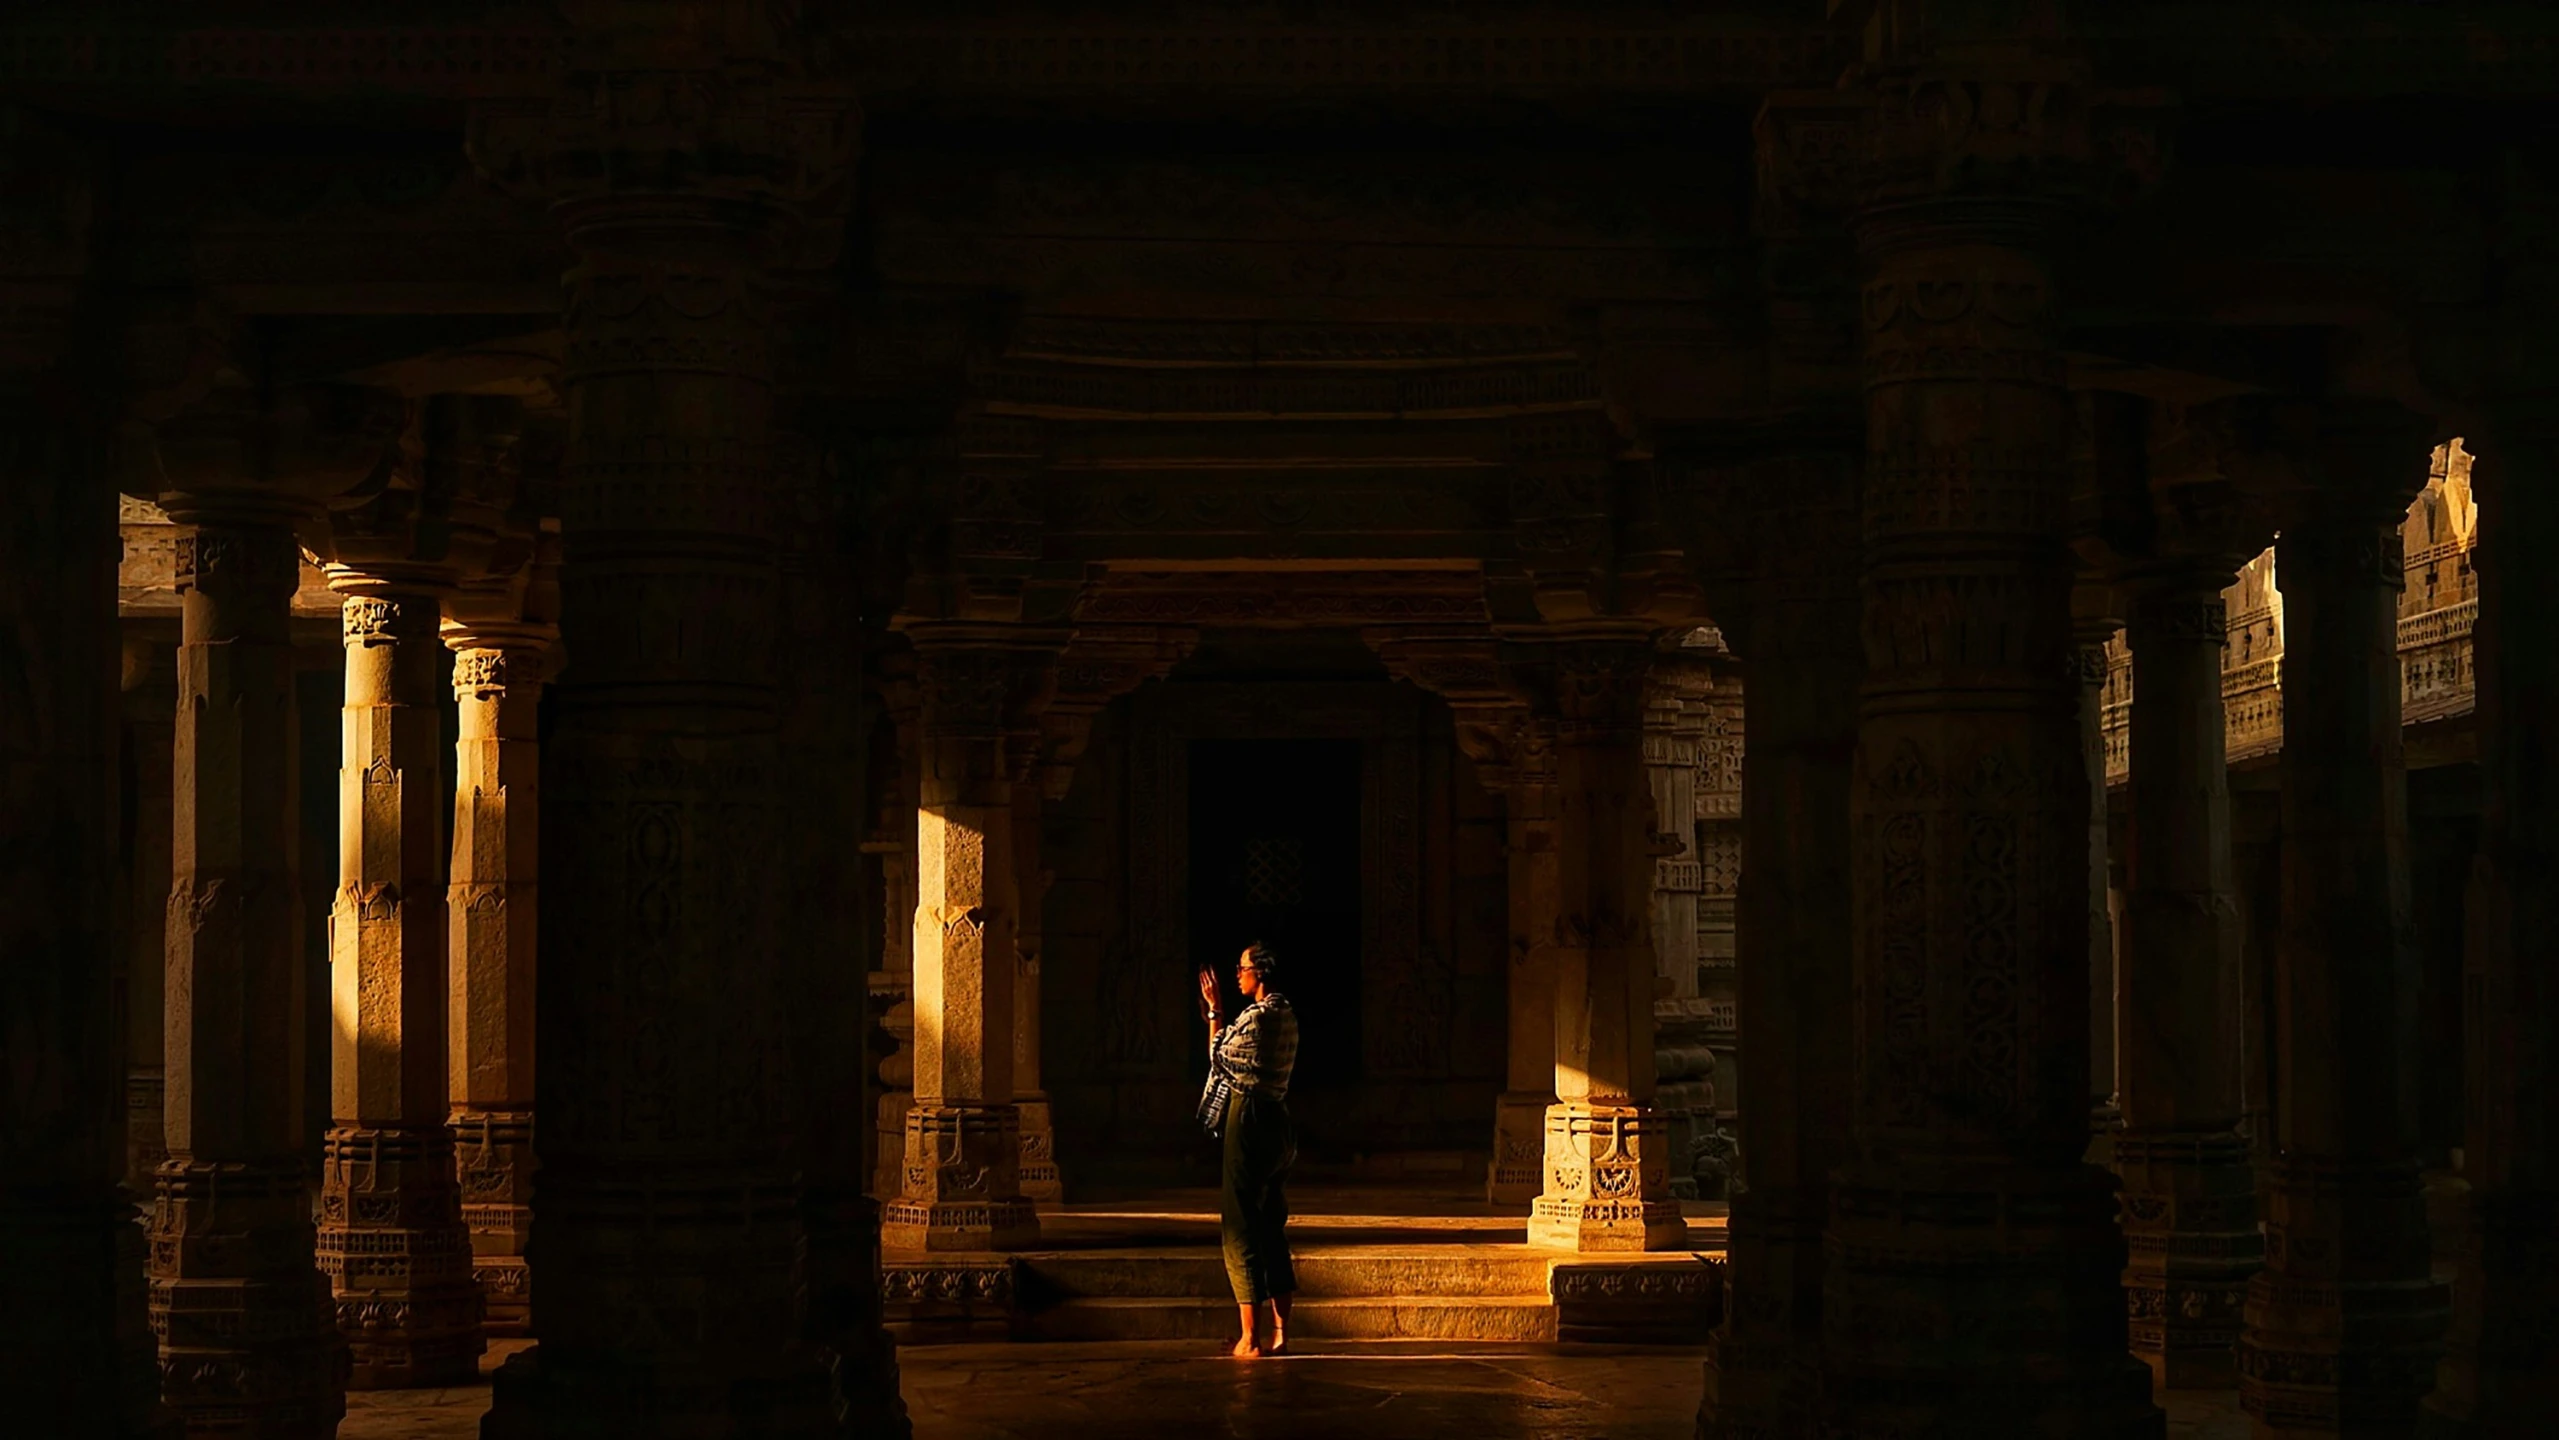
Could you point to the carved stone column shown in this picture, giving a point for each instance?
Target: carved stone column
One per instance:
(1674, 722)
(1533, 851)
(2089, 664)
(150, 737)
(894, 843)
(2189, 1190)
(493, 915)
(2345, 1322)
(69, 1271)
(1793, 616)
(1973, 1284)
(2497, 1378)
(962, 1187)
(1717, 1009)
(819, 879)
(1607, 1180)
(1029, 882)
(391, 1237)
(243, 1314)
(668, 1229)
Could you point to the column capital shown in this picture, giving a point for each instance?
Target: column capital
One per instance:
(244, 458)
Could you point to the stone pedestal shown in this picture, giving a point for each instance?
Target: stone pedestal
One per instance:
(2345, 1322)
(2189, 1191)
(961, 1189)
(1607, 1179)
(243, 1316)
(391, 1237)
(493, 916)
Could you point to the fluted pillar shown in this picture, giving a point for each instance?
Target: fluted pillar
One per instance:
(1793, 619)
(150, 737)
(2345, 1322)
(1973, 1283)
(493, 916)
(70, 1304)
(962, 1186)
(1607, 1179)
(2497, 1377)
(247, 1339)
(2189, 1189)
(391, 1238)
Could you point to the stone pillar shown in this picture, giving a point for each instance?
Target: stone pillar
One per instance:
(894, 843)
(391, 1238)
(69, 1272)
(820, 882)
(669, 1242)
(1534, 852)
(1607, 1180)
(962, 1187)
(150, 737)
(2189, 1189)
(1040, 1181)
(1973, 1283)
(2497, 1376)
(2345, 1322)
(243, 1314)
(1674, 720)
(1718, 828)
(2089, 664)
(493, 916)
(1793, 614)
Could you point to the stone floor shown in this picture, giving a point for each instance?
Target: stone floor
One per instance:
(1135, 1391)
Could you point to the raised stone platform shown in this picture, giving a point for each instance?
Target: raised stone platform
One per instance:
(1372, 1264)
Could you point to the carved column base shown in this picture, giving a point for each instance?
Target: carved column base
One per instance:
(1944, 1273)
(391, 1242)
(2346, 1322)
(1041, 1184)
(247, 1346)
(1518, 1173)
(2191, 1242)
(1607, 1182)
(1763, 1362)
(493, 1159)
(962, 1188)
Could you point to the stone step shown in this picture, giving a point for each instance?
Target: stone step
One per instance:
(1522, 1318)
(1442, 1271)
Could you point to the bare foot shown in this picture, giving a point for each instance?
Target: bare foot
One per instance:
(1245, 1349)
(1278, 1345)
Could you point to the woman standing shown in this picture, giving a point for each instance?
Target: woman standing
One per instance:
(1247, 1104)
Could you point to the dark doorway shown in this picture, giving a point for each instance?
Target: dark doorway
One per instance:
(1275, 857)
